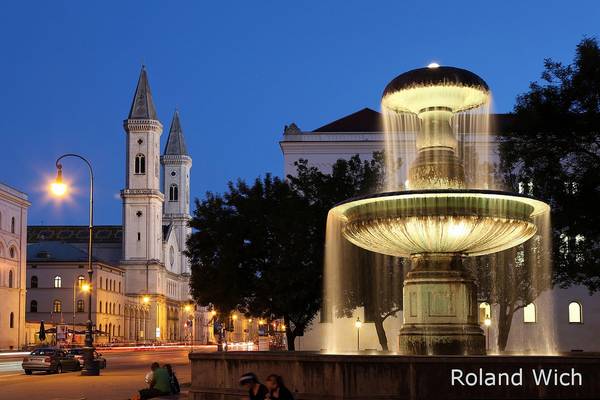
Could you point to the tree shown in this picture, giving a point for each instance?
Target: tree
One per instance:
(554, 150)
(259, 249)
(369, 280)
(512, 279)
(253, 250)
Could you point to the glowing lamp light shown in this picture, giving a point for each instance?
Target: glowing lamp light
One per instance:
(433, 65)
(249, 320)
(487, 321)
(261, 321)
(234, 317)
(85, 287)
(213, 313)
(58, 187)
(187, 308)
(358, 323)
(146, 299)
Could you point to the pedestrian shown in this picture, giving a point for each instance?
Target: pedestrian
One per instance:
(277, 389)
(173, 379)
(256, 390)
(159, 384)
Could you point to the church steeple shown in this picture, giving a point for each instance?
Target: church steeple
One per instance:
(175, 142)
(176, 166)
(142, 106)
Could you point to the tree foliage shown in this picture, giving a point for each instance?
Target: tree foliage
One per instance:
(554, 150)
(258, 249)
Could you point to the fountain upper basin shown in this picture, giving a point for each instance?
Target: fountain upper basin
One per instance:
(467, 222)
(453, 89)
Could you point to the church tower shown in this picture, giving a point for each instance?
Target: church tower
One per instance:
(142, 199)
(177, 164)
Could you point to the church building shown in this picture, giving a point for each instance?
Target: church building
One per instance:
(141, 271)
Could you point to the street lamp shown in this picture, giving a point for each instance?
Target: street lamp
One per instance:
(59, 189)
(358, 325)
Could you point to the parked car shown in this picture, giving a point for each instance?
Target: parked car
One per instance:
(77, 352)
(50, 360)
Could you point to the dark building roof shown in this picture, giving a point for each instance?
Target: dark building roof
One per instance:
(369, 121)
(56, 252)
(142, 106)
(74, 233)
(74, 238)
(365, 120)
(176, 143)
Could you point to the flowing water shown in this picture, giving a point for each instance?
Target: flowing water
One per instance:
(363, 285)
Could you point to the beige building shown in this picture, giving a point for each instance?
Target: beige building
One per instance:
(56, 273)
(13, 235)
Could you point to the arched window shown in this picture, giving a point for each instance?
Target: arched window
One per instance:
(100, 308)
(100, 282)
(140, 164)
(575, 313)
(119, 286)
(12, 225)
(57, 282)
(100, 327)
(173, 193)
(80, 306)
(12, 320)
(119, 330)
(80, 281)
(34, 282)
(12, 252)
(10, 278)
(529, 314)
(57, 306)
(33, 306)
(119, 309)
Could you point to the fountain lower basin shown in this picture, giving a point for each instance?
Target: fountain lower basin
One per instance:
(465, 222)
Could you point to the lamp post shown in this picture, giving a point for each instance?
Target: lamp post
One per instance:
(358, 325)
(59, 188)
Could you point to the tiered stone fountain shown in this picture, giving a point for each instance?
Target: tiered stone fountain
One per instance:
(438, 222)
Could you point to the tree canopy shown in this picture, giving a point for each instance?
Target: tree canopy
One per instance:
(553, 152)
(258, 249)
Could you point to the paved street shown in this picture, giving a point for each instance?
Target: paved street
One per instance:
(122, 377)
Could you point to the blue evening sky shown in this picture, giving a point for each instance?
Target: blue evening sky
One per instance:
(238, 71)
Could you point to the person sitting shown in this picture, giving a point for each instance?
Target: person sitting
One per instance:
(175, 389)
(277, 389)
(159, 385)
(256, 390)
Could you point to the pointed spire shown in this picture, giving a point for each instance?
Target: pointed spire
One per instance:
(176, 143)
(142, 106)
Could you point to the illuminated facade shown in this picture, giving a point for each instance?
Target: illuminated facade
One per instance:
(13, 228)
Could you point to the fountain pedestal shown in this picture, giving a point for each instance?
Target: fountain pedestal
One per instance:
(440, 309)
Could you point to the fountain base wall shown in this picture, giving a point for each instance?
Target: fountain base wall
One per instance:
(314, 376)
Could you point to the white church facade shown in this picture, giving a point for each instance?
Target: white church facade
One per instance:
(141, 272)
(572, 313)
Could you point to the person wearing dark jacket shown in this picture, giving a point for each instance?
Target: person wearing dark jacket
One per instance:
(173, 379)
(256, 390)
(277, 389)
